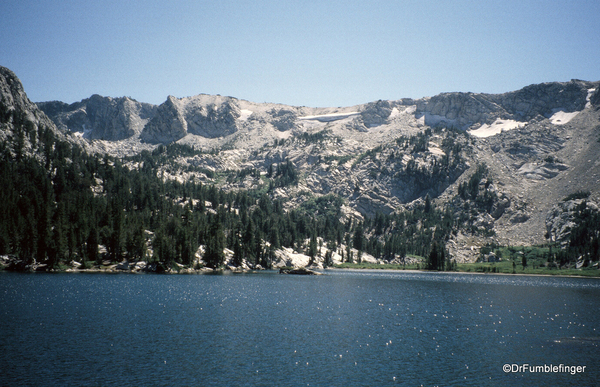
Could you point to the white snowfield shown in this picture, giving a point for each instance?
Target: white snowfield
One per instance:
(588, 102)
(497, 127)
(398, 113)
(245, 113)
(560, 117)
(329, 117)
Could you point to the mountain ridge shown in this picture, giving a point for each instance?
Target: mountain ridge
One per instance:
(537, 145)
(215, 116)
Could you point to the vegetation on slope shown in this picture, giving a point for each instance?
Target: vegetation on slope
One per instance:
(61, 204)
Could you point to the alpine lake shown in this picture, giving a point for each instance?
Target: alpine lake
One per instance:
(342, 328)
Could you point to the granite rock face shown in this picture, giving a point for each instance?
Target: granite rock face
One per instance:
(202, 115)
(168, 125)
(543, 99)
(595, 98)
(101, 118)
(20, 120)
(561, 219)
(211, 117)
(283, 119)
(535, 101)
(376, 113)
(214, 117)
(458, 109)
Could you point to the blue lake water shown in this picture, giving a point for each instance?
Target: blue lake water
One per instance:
(346, 328)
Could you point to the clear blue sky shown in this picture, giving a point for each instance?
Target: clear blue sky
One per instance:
(312, 53)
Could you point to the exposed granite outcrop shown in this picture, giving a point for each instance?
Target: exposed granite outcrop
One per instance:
(211, 119)
(202, 115)
(561, 219)
(168, 125)
(540, 100)
(376, 113)
(101, 118)
(283, 119)
(21, 122)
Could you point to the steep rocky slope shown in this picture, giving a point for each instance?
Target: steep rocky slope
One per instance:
(532, 102)
(21, 122)
(101, 118)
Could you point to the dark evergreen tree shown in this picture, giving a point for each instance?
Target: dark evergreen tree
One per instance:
(359, 238)
(92, 246)
(215, 244)
(312, 248)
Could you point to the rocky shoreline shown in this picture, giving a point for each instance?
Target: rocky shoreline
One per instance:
(9, 263)
(13, 264)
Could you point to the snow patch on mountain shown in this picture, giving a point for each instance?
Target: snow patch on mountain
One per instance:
(395, 112)
(588, 102)
(561, 117)
(244, 114)
(329, 117)
(496, 127)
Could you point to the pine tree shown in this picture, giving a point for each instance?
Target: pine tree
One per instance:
(348, 249)
(312, 248)
(215, 243)
(92, 246)
(359, 238)
(428, 206)
(238, 259)
(248, 240)
(433, 261)
(258, 250)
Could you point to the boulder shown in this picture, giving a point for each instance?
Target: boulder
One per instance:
(300, 271)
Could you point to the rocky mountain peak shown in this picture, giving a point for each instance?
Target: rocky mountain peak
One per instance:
(463, 110)
(544, 99)
(101, 118)
(211, 117)
(20, 119)
(167, 125)
(11, 89)
(376, 113)
(202, 115)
